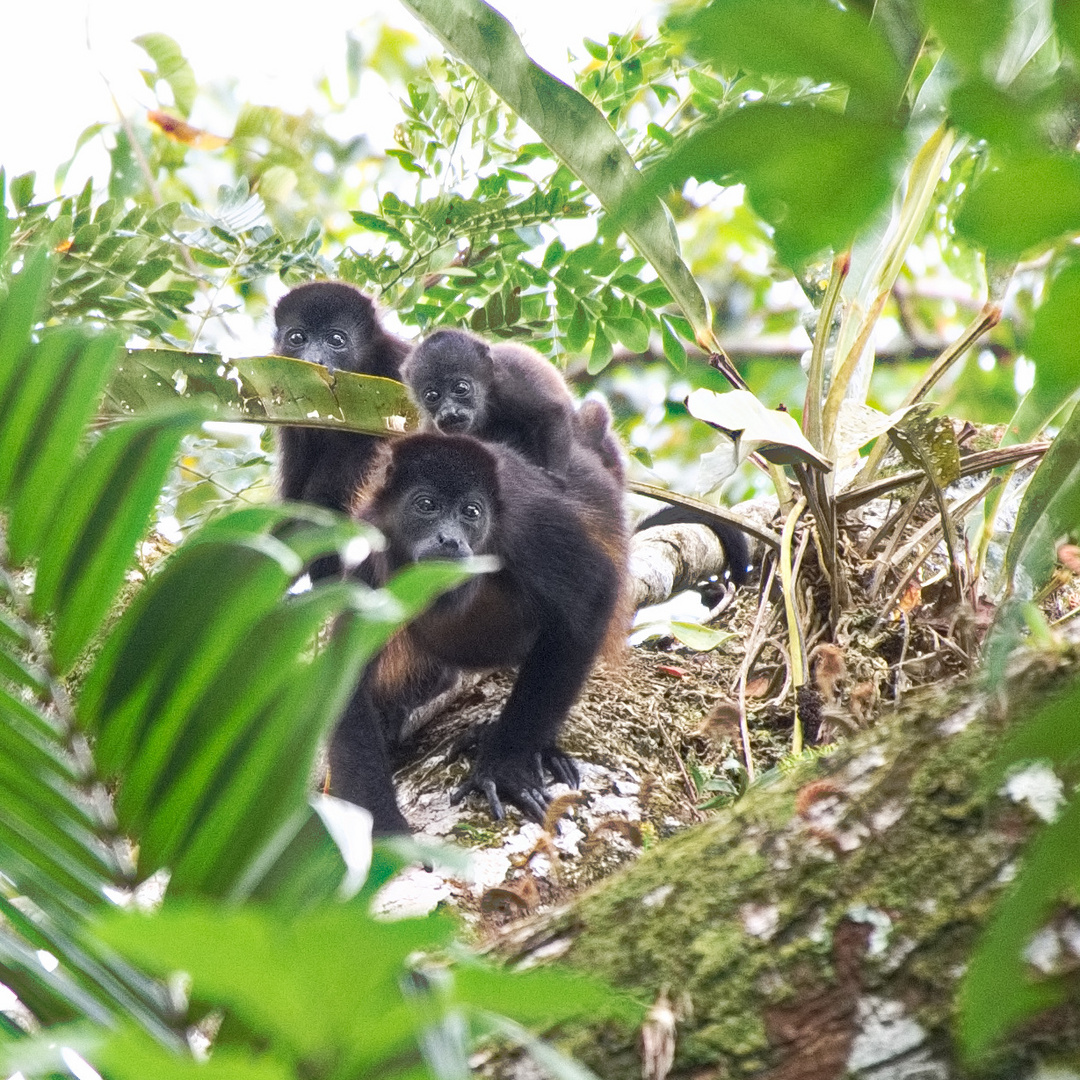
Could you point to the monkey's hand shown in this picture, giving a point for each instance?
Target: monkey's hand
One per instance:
(516, 778)
(563, 768)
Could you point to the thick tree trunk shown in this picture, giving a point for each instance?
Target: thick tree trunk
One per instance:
(817, 930)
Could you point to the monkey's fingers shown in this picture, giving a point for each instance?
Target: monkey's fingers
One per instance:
(563, 768)
(533, 803)
(484, 787)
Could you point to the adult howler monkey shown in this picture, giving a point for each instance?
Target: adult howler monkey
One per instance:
(336, 325)
(549, 609)
(505, 393)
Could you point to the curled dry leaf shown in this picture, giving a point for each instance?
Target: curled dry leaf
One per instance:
(829, 668)
(183, 132)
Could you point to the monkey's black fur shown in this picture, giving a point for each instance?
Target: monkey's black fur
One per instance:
(505, 393)
(333, 324)
(593, 424)
(732, 539)
(548, 609)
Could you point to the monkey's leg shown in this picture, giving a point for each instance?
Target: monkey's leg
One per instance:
(514, 750)
(360, 765)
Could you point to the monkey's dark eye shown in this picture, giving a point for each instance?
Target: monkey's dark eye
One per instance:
(336, 339)
(424, 504)
(472, 511)
(431, 395)
(296, 338)
(460, 388)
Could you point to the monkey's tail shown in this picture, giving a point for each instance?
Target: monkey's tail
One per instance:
(733, 539)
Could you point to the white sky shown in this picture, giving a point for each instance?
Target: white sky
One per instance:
(58, 54)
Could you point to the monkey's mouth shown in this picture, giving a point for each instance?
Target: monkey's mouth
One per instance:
(455, 422)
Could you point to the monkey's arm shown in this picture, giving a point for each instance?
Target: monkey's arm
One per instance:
(515, 749)
(360, 765)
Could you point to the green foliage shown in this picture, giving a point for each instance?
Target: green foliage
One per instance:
(574, 129)
(187, 749)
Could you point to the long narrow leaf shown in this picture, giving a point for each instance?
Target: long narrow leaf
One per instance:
(173, 640)
(104, 513)
(59, 428)
(19, 312)
(1050, 509)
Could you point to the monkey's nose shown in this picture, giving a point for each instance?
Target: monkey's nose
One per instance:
(453, 420)
(449, 545)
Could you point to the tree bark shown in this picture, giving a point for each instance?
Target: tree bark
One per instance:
(818, 929)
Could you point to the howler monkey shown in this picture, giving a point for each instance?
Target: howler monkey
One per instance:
(333, 324)
(504, 393)
(549, 609)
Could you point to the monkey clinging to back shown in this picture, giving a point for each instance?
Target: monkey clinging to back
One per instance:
(504, 393)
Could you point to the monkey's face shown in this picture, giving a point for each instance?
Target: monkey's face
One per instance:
(455, 402)
(332, 346)
(433, 523)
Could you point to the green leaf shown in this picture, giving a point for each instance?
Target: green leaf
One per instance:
(632, 333)
(699, 638)
(131, 1055)
(22, 190)
(105, 511)
(577, 332)
(173, 67)
(374, 223)
(323, 983)
(542, 996)
(1008, 212)
(19, 312)
(265, 389)
(816, 177)
(574, 129)
(673, 347)
(595, 49)
(601, 353)
(1053, 347)
(798, 38)
(57, 396)
(988, 112)
(1067, 18)
(969, 29)
(1049, 511)
(169, 644)
(150, 271)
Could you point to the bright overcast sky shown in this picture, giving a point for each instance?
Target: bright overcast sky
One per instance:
(59, 53)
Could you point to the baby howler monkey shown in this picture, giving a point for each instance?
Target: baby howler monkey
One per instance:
(504, 393)
(549, 609)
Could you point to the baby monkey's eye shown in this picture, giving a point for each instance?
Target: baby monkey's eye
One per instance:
(296, 337)
(472, 511)
(461, 388)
